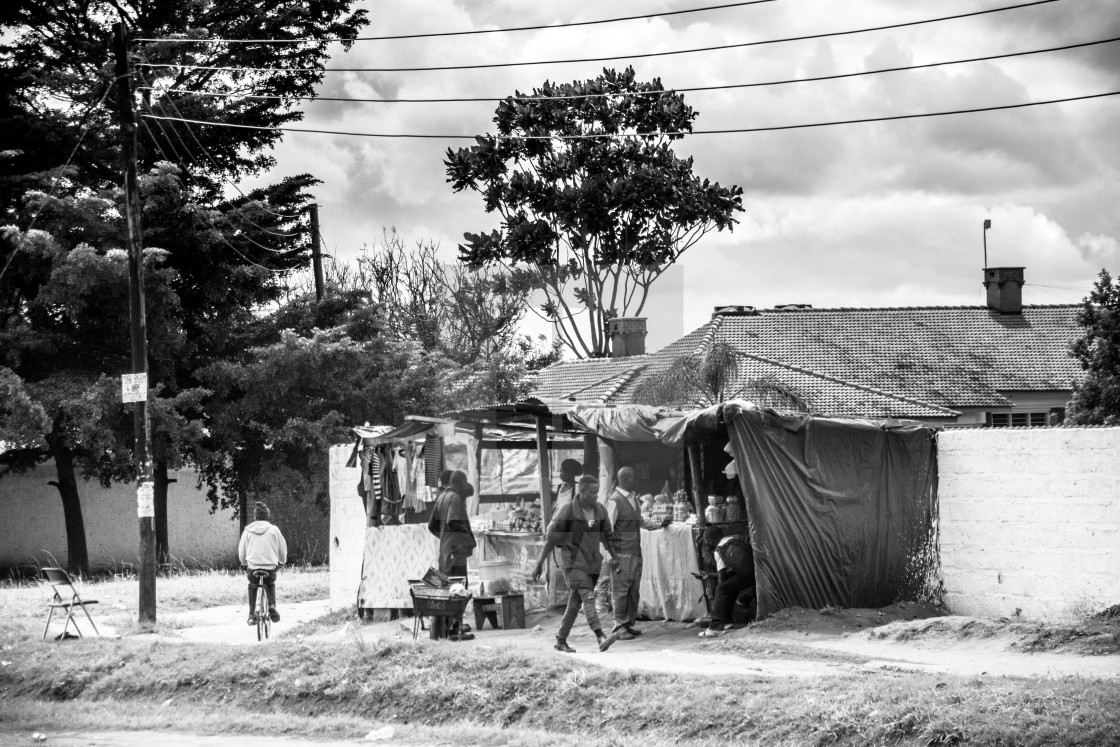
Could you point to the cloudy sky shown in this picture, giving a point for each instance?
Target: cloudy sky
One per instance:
(873, 214)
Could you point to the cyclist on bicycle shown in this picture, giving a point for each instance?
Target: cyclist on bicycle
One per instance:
(262, 548)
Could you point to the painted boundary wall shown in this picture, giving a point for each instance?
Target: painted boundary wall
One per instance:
(33, 531)
(347, 530)
(1030, 521)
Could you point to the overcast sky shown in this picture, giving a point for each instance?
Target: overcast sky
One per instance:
(868, 215)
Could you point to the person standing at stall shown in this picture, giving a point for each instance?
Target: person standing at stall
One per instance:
(570, 469)
(626, 518)
(450, 523)
(578, 528)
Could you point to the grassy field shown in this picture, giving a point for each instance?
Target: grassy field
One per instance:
(450, 694)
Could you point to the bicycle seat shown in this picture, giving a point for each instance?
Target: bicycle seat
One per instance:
(260, 574)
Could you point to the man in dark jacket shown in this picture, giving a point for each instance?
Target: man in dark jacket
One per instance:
(626, 517)
(450, 523)
(578, 528)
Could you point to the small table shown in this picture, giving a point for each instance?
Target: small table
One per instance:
(513, 611)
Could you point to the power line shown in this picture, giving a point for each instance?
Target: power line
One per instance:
(643, 55)
(58, 177)
(206, 213)
(456, 33)
(693, 89)
(617, 136)
(214, 163)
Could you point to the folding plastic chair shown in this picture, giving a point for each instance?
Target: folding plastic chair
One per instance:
(63, 587)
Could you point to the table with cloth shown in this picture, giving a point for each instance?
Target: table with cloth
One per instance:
(395, 554)
(669, 591)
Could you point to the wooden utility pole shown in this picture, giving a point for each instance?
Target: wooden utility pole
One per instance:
(316, 254)
(145, 489)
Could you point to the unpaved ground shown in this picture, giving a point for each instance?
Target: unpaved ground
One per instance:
(795, 643)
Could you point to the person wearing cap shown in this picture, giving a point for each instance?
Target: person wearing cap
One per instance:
(626, 517)
(262, 548)
(577, 529)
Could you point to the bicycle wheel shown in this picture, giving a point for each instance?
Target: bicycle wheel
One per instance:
(262, 615)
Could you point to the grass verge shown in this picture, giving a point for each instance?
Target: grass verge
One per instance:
(340, 691)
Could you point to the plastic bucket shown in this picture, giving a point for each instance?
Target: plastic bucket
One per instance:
(495, 575)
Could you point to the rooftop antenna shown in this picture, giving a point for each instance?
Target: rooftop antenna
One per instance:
(987, 225)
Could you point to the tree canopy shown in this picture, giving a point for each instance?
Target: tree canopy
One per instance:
(594, 203)
(1096, 400)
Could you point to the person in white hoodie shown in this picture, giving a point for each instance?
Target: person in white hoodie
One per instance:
(263, 548)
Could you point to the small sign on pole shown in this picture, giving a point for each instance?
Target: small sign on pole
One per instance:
(134, 387)
(146, 500)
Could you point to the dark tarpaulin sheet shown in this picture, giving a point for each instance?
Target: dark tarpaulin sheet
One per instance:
(841, 512)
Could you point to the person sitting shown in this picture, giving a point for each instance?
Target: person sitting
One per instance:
(735, 573)
(262, 548)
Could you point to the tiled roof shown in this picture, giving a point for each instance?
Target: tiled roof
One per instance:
(890, 362)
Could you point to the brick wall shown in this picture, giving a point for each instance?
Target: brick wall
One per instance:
(1030, 521)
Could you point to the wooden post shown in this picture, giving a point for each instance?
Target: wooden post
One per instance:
(697, 491)
(316, 254)
(145, 491)
(545, 471)
(590, 454)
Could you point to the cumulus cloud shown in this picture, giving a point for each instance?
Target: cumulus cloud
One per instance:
(851, 215)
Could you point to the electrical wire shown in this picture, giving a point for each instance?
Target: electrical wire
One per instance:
(55, 182)
(234, 208)
(210, 220)
(454, 33)
(643, 55)
(692, 89)
(214, 163)
(623, 136)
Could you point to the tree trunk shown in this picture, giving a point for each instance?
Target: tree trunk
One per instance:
(77, 554)
(159, 477)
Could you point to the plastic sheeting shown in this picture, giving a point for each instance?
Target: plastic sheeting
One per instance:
(841, 512)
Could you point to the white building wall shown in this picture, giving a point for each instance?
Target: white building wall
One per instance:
(348, 530)
(1030, 521)
(33, 531)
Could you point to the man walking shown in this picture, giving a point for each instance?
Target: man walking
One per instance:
(578, 528)
(626, 518)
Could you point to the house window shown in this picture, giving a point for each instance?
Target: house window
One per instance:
(1018, 419)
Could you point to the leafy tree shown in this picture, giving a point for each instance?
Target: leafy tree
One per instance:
(711, 376)
(1096, 400)
(467, 316)
(71, 331)
(594, 204)
(281, 405)
(228, 256)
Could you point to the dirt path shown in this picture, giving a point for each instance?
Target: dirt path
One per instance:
(798, 643)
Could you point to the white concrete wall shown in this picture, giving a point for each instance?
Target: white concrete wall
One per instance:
(33, 531)
(1030, 521)
(348, 530)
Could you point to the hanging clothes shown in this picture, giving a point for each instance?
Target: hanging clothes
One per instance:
(433, 460)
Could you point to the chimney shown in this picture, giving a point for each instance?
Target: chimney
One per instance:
(1005, 289)
(628, 336)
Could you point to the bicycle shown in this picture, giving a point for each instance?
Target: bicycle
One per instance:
(264, 622)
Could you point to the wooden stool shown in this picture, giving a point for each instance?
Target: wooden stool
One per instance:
(513, 611)
(485, 609)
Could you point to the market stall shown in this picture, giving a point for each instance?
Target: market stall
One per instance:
(839, 511)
